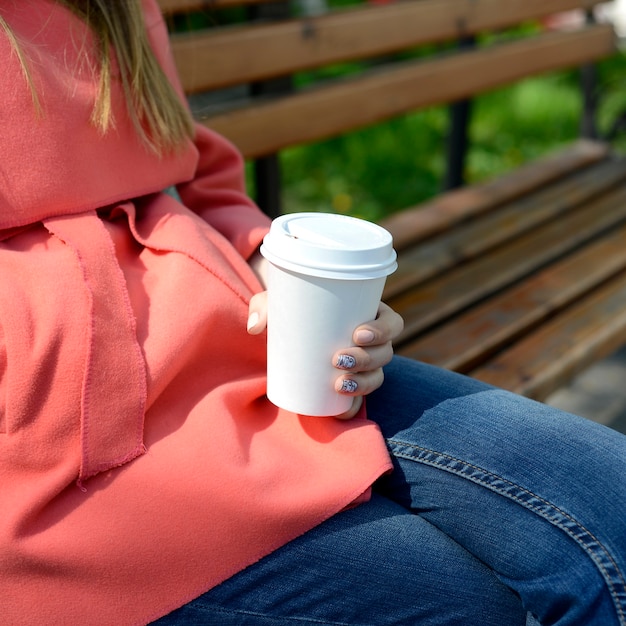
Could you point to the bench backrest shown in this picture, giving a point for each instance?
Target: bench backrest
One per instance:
(259, 56)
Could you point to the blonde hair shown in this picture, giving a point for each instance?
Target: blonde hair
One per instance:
(25, 71)
(159, 117)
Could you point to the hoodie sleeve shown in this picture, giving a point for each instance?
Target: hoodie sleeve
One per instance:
(217, 193)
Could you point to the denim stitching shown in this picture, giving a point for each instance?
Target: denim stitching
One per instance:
(598, 553)
(275, 619)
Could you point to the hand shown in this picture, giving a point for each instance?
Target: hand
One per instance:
(362, 364)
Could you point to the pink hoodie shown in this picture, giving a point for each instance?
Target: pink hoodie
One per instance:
(140, 462)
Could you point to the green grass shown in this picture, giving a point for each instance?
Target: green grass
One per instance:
(376, 171)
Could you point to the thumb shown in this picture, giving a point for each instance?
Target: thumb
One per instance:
(257, 313)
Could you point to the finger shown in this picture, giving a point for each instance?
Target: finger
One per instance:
(360, 384)
(257, 313)
(354, 409)
(362, 359)
(387, 325)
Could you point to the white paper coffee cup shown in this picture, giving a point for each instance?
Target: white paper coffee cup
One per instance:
(325, 277)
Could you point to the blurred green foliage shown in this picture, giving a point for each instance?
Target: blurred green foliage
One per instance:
(375, 171)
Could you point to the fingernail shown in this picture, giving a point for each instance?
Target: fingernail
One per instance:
(349, 386)
(365, 336)
(253, 320)
(346, 362)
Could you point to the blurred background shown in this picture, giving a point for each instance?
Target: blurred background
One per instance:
(395, 165)
(372, 173)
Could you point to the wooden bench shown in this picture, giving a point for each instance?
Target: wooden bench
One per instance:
(519, 281)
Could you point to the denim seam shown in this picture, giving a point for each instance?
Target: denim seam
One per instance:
(278, 619)
(598, 553)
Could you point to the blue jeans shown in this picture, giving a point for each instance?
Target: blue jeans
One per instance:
(500, 511)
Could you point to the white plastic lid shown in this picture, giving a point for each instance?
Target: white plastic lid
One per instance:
(330, 245)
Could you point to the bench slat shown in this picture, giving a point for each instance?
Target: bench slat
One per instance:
(448, 209)
(212, 59)
(350, 104)
(472, 337)
(442, 297)
(472, 238)
(564, 346)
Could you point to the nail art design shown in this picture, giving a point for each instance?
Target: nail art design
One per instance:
(349, 386)
(346, 362)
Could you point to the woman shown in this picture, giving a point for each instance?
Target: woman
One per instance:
(146, 476)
